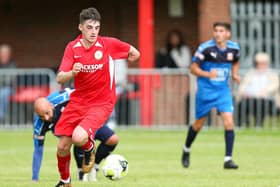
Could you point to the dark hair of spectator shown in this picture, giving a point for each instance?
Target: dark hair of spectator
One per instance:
(179, 34)
(226, 25)
(89, 14)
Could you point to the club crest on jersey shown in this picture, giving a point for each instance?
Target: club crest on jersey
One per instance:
(98, 55)
(229, 56)
(213, 54)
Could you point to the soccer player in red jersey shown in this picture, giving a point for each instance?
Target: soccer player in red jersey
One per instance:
(89, 60)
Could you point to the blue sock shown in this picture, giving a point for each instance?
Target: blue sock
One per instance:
(190, 138)
(229, 139)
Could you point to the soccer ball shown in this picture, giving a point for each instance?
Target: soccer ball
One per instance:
(115, 167)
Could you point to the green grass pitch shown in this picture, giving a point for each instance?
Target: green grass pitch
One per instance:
(154, 158)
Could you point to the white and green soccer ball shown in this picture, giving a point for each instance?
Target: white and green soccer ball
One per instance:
(115, 167)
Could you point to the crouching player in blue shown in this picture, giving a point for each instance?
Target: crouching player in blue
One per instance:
(213, 64)
(47, 113)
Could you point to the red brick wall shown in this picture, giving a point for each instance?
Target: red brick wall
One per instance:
(39, 30)
(187, 24)
(209, 12)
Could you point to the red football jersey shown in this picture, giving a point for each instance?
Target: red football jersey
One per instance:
(95, 84)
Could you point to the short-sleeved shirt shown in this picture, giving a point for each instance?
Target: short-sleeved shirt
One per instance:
(215, 93)
(210, 57)
(95, 84)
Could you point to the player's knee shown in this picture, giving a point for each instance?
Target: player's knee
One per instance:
(113, 140)
(197, 126)
(228, 124)
(79, 136)
(79, 139)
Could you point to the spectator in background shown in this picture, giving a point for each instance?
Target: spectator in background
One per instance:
(175, 54)
(6, 83)
(258, 91)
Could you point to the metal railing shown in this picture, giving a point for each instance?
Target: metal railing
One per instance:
(166, 98)
(256, 27)
(158, 97)
(152, 97)
(18, 90)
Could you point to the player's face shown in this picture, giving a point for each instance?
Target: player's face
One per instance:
(90, 30)
(221, 34)
(45, 112)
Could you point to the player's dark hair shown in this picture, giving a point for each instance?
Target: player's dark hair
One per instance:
(89, 14)
(226, 25)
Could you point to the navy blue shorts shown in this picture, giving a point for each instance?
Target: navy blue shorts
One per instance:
(104, 133)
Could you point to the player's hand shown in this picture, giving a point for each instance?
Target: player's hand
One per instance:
(77, 68)
(212, 74)
(236, 78)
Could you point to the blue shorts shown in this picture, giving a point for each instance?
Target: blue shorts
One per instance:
(103, 134)
(205, 101)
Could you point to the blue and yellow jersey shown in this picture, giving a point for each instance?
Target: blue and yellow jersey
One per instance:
(210, 57)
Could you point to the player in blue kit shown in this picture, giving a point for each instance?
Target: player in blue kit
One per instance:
(213, 63)
(48, 111)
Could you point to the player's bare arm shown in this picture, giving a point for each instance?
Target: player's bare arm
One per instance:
(133, 54)
(63, 77)
(235, 74)
(196, 70)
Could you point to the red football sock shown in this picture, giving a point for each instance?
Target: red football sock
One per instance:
(63, 164)
(87, 146)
